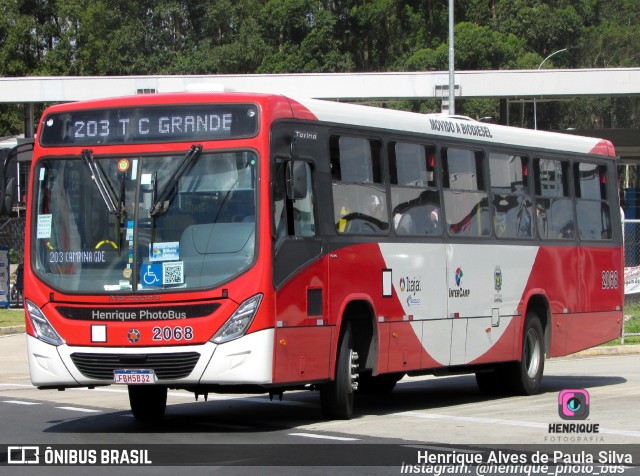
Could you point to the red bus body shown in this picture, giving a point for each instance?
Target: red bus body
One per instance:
(405, 303)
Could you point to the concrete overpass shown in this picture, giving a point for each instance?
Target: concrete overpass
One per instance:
(509, 85)
(512, 84)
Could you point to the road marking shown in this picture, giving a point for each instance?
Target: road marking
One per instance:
(123, 390)
(76, 409)
(500, 421)
(611, 431)
(324, 437)
(497, 421)
(19, 402)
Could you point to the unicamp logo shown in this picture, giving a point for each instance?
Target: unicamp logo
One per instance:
(460, 292)
(458, 277)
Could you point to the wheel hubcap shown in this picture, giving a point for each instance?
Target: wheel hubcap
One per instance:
(532, 354)
(353, 369)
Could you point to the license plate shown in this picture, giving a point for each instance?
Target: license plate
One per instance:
(134, 376)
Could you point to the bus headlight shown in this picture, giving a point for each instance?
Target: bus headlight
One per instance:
(239, 321)
(41, 326)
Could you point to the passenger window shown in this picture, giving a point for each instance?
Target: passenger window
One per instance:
(359, 198)
(553, 205)
(511, 201)
(466, 204)
(592, 210)
(414, 194)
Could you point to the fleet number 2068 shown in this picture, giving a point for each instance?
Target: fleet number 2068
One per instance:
(172, 333)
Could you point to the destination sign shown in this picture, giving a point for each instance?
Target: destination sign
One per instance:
(136, 125)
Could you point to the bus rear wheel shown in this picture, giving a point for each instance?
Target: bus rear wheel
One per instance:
(492, 382)
(336, 397)
(525, 376)
(148, 402)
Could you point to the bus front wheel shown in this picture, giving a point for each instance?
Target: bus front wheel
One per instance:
(336, 397)
(377, 385)
(148, 402)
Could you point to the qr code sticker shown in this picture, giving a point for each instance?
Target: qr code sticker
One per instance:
(173, 272)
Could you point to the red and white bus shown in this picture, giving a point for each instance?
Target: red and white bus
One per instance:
(227, 242)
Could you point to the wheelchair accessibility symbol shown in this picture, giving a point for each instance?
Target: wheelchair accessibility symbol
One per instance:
(152, 274)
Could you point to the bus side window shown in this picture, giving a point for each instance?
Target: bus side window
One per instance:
(511, 200)
(554, 207)
(466, 204)
(359, 198)
(414, 193)
(592, 209)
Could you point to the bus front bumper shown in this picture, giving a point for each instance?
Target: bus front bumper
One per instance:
(246, 360)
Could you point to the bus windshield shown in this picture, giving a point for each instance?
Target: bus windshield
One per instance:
(122, 224)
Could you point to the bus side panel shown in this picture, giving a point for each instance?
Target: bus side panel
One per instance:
(404, 348)
(556, 271)
(486, 284)
(585, 330)
(359, 273)
(436, 342)
(601, 279)
(302, 353)
(416, 274)
(599, 317)
(583, 314)
(559, 327)
(482, 334)
(303, 331)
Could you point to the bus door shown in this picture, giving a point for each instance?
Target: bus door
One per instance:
(302, 335)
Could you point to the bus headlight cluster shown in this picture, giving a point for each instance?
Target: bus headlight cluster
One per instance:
(41, 326)
(239, 321)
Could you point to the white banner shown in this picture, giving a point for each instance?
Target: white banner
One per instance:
(632, 280)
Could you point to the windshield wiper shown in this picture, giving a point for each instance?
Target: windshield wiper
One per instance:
(161, 203)
(106, 192)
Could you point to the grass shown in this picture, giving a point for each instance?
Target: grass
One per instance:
(631, 324)
(11, 317)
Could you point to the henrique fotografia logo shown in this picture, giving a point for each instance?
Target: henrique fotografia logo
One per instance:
(573, 404)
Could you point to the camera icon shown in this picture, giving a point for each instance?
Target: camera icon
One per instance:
(573, 404)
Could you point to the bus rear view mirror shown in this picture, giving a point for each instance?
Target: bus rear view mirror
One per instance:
(296, 180)
(8, 175)
(8, 196)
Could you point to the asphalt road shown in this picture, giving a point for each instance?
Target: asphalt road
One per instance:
(426, 412)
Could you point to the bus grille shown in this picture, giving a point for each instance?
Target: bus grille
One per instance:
(165, 366)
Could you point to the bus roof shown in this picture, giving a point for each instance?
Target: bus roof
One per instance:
(453, 127)
(332, 112)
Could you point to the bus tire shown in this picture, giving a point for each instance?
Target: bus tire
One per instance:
(377, 385)
(491, 382)
(526, 375)
(336, 397)
(148, 402)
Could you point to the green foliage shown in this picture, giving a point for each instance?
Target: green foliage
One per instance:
(120, 37)
(15, 256)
